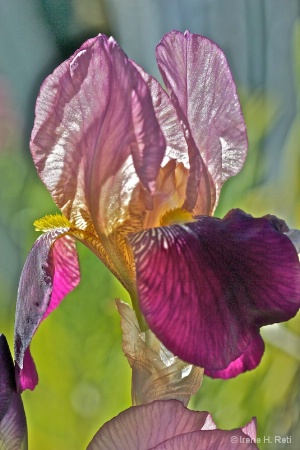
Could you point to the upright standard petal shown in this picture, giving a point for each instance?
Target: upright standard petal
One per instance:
(232, 276)
(50, 272)
(13, 428)
(96, 137)
(203, 92)
(172, 181)
(167, 425)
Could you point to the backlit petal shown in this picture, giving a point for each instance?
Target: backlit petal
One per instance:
(95, 136)
(250, 429)
(171, 182)
(207, 286)
(143, 427)
(50, 272)
(176, 146)
(13, 428)
(203, 92)
(209, 440)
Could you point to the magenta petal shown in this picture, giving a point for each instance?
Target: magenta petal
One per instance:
(66, 273)
(13, 428)
(50, 272)
(145, 426)
(95, 127)
(27, 377)
(247, 361)
(207, 286)
(203, 92)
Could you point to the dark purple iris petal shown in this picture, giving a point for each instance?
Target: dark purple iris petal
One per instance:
(50, 272)
(13, 428)
(207, 286)
(247, 361)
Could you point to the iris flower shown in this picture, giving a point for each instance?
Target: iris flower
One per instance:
(136, 171)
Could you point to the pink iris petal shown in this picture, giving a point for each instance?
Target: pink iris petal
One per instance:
(96, 135)
(143, 427)
(165, 425)
(50, 272)
(231, 277)
(13, 428)
(203, 92)
(247, 361)
(250, 429)
(168, 120)
(209, 440)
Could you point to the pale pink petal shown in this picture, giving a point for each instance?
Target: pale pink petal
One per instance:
(209, 440)
(166, 114)
(95, 136)
(143, 427)
(203, 92)
(250, 429)
(177, 151)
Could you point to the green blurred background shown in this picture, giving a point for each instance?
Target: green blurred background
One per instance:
(84, 377)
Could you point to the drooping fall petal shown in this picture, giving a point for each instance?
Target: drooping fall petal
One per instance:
(156, 373)
(50, 272)
(13, 428)
(207, 286)
(203, 92)
(162, 424)
(247, 361)
(95, 136)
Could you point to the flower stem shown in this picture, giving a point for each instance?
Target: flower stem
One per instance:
(141, 319)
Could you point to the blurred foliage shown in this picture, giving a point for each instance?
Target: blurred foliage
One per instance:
(84, 377)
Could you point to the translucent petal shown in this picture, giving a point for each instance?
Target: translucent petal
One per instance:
(96, 137)
(143, 427)
(203, 92)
